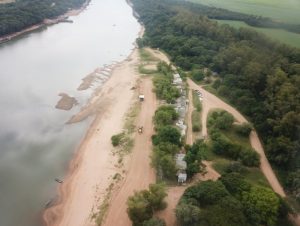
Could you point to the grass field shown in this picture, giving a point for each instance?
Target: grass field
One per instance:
(285, 11)
(283, 36)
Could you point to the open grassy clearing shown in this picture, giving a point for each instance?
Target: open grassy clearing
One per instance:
(251, 174)
(147, 56)
(149, 63)
(285, 11)
(221, 163)
(280, 35)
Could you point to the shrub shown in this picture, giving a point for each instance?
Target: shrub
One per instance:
(198, 75)
(165, 115)
(154, 222)
(235, 167)
(141, 205)
(167, 134)
(116, 140)
(196, 121)
(249, 157)
(244, 129)
(206, 192)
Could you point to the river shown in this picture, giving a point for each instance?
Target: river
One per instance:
(35, 143)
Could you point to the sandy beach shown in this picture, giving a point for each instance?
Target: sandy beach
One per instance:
(93, 166)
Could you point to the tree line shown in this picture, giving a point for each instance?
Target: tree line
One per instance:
(258, 76)
(22, 14)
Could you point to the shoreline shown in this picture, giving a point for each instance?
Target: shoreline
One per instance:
(102, 102)
(45, 23)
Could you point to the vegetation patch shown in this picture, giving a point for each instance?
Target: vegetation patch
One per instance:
(196, 102)
(147, 56)
(163, 86)
(143, 70)
(143, 204)
(196, 121)
(102, 209)
(229, 201)
(258, 76)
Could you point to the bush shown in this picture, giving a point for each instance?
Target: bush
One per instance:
(221, 120)
(195, 154)
(116, 140)
(154, 222)
(196, 121)
(188, 215)
(261, 206)
(198, 75)
(236, 167)
(142, 204)
(235, 183)
(249, 157)
(167, 134)
(196, 102)
(221, 145)
(165, 115)
(206, 192)
(244, 129)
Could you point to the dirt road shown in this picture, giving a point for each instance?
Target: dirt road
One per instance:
(140, 173)
(210, 102)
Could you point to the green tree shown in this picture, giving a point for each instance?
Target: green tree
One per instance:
(139, 208)
(261, 205)
(235, 183)
(198, 75)
(188, 215)
(206, 193)
(154, 222)
(167, 134)
(227, 212)
(243, 129)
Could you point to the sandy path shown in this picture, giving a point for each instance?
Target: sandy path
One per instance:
(91, 169)
(140, 173)
(210, 102)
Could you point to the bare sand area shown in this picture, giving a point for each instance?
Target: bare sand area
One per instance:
(91, 170)
(139, 171)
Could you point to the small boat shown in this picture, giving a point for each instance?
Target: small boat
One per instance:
(58, 180)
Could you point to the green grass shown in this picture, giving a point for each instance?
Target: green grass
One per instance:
(146, 55)
(196, 121)
(196, 102)
(280, 35)
(143, 70)
(252, 175)
(234, 136)
(285, 11)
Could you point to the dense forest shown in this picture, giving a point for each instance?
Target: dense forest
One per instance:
(21, 14)
(258, 76)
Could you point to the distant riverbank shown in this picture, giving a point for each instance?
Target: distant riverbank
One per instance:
(46, 22)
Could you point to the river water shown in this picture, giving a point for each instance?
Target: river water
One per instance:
(35, 143)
